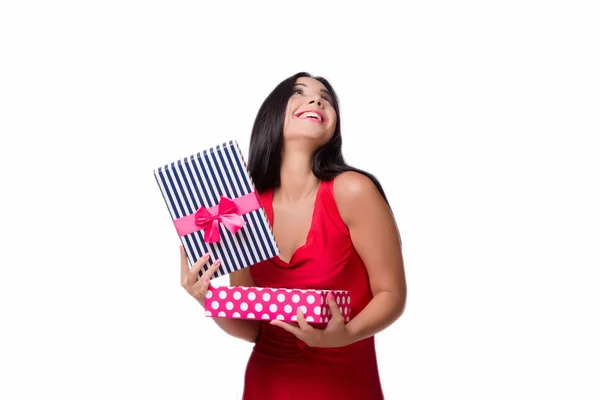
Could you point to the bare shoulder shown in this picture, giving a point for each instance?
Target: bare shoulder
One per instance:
(351, 184)
(354, 191)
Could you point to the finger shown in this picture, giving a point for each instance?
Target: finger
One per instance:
(195, 270)
(302, 321)
(205, 279)
(201, 287)
(334, 308)
(291, 329)
(202, 280)
(211, 270)
(184, 263)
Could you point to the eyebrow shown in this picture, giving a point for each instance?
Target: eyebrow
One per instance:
(322, 90)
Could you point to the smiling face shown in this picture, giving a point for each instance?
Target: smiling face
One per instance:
(310, 113)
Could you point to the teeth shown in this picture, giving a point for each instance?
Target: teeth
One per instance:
(313, 115)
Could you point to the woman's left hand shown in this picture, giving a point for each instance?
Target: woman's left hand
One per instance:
(334, 335)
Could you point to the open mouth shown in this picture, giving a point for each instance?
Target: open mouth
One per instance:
(312, 115)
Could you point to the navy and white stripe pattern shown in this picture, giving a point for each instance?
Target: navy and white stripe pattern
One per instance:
(200, 180)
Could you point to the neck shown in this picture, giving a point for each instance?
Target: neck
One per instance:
(296, 176)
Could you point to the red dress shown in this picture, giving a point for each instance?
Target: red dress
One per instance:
(282, 367)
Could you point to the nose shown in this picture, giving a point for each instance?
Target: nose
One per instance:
(316, 101)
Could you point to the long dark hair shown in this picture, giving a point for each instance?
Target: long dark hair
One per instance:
(266, 141)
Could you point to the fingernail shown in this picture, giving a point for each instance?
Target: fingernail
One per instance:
(329, 296)
(217, 262)
(206, 256)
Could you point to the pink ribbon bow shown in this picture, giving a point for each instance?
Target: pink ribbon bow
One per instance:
(226, 214)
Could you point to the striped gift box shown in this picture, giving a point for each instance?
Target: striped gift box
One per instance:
(199, 182)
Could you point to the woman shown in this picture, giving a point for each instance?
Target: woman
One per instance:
(334, 230)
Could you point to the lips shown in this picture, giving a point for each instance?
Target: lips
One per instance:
(314, 115)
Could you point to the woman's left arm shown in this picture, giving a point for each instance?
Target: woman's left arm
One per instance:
(377, 241)
(376, 238)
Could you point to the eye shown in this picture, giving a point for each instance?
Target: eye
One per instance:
(298, 90)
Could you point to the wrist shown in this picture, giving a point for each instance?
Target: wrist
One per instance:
(352, 333)
(202, 303)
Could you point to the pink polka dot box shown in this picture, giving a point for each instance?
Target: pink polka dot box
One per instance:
(269, 303)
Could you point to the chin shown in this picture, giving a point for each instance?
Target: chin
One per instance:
(318, 138)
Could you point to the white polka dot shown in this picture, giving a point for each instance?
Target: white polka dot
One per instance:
(229, 305)
(281, 317)
(274, 290)
(258, 307)
(287, 308)
(317, 291)
(288, 290)
(244, 288)
(341, 310)
(338, 300)
(215, 304)
(266, 297)
(244, 306)
(251, 316)
(236, 315)
(303, 291)
(295, 298)
(251, 296)
(221, 313)
(326, 319)
(310, 319)
(322, 299)
(318, 310)
(281, 297)
(237, 295)
(343, 300)
(310, 299)
(345, 310)
(273, 308)
(259, 289)
(208, 313)
(303, 308)
(347, 319)
(324, 310)
(208, 294)
(294, 318)
(266, 316)
(223, 294)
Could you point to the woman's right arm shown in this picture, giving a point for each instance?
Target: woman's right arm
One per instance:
(243, 329)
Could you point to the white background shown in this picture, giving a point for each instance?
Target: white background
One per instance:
(478, 117)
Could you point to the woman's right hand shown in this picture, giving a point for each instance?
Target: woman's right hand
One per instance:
(195, 285)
